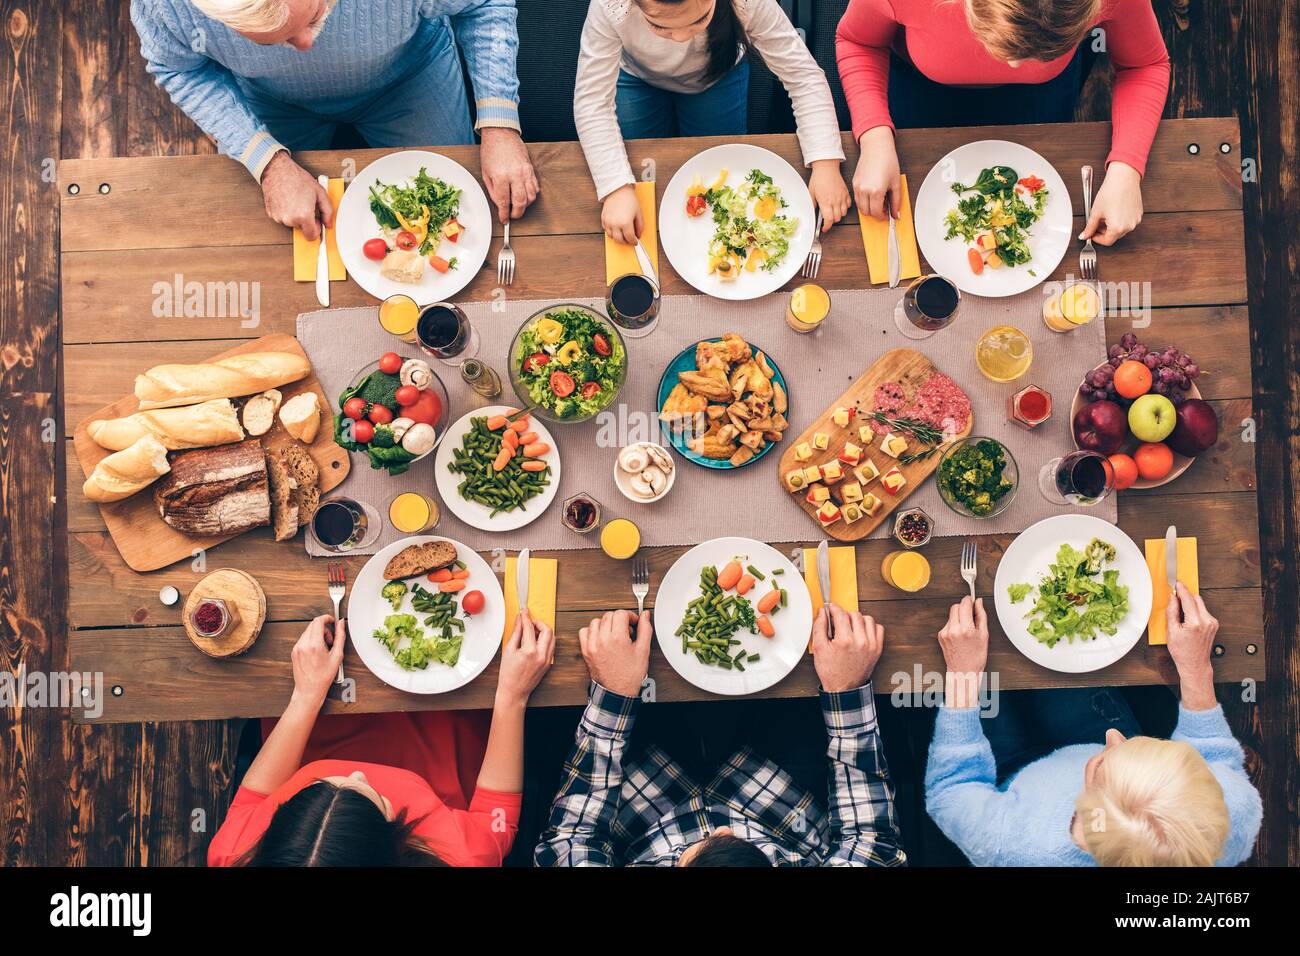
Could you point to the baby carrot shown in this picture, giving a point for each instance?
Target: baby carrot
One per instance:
(503, 459)
(456, 584)
(520, 424)
(744, 584)
(497, 422)
(769, 601)
(527, 438)
(729, 575)
(536, 450)
(765, 626)
(441, 575)
(533, 465)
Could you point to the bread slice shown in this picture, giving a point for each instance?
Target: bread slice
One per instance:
(284, 499)
(300, 417)
(420, 559)
(259, 412)
(306, 475)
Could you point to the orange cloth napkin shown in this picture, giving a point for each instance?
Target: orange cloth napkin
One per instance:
(1188, 573)
(305, 252)
(844, 578)
(620, 258)
(875, 240)
(542, 574)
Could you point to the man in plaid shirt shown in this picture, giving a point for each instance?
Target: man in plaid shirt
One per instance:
(648, 813)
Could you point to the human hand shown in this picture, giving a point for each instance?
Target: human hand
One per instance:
(1190, 629)
(1117, 207)
(829, 194)
(508, 172)
(965, 644)
(294, 198)
(877, 182)
(620, 215)
(617, 662)
(316, 658)
(525, 659)
(845, 661)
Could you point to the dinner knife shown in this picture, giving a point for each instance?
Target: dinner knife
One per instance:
(647, 269)
(323, 257)
(521, 578)
(1171, 558)
(824, 578)
(895, 257)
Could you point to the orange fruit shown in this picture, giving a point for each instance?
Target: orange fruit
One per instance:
(1132, 379)
(1125, 470)
(1154, 460)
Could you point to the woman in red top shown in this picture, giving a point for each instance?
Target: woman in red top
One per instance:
(436, 788)
(910, 63)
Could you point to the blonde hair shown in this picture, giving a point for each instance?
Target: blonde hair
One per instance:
(246, 16)
(1031, 29)
(1156, 804)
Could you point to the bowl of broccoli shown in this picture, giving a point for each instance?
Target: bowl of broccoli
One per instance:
(978, 477)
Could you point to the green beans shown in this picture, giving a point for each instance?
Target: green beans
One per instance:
(502, 491)
(755, 572)
(710, 621)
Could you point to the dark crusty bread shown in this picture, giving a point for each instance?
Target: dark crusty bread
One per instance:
(306, 476)
(420, 559)
(216, 491)
(284, 500)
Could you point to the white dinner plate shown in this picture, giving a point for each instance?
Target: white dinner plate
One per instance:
(367, 610)
(356, 223)
(1048, 238)
(1026, 562)
(686, 238)
(777, 654)
(471, 512)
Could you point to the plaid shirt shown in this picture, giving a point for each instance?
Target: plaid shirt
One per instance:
(647, 813)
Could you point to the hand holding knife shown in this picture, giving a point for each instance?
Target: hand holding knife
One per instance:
(824, 582)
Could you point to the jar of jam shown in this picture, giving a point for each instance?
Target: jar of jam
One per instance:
(213, 617)
(581, 513)
(1029, 407)
(913, 527)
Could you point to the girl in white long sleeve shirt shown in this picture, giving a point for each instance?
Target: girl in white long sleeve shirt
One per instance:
(642, 58)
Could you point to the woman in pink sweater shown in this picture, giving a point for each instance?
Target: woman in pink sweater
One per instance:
(914, 63)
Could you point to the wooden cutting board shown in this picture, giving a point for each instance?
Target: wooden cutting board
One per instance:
(144, 540)
(909, 368)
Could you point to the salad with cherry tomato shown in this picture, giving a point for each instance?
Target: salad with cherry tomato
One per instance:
(394, 413)
(569, 362)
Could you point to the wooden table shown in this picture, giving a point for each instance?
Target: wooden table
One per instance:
(130, 227)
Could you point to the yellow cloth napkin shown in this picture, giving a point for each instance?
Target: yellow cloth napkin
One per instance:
(620, 258)
(541, 592)
(1188, 573)
(875, 240)
(306, 251)
(844, 578)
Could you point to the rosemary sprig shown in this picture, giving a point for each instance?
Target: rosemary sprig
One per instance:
(923, 431)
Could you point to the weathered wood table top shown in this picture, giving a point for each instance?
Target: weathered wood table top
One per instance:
(132, 226)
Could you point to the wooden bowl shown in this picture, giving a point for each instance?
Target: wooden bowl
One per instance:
(236, 588)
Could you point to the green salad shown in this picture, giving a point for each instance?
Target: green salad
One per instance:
(972, 475)
(570, 363)
(412, 649)
(762, 238)
(421, 207)
(995, 213)
(1078, 597)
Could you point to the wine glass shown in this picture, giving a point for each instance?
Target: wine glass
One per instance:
(343, 524)
(446, 333)
(1081, 478)
(928, 306)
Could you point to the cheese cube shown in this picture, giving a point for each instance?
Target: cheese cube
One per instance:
(893, 480)
(841, 417)
(828, 513)
(851, 454)
(821, 441)
(865, 434)
(811, 473)
(893, 445)
(818, 494)
(803, 451)
(852, 491)
(867, 472)
(832, 472)
(870, 504)
(795, 480)
(850, 512)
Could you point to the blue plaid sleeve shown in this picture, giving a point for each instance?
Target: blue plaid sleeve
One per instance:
(864, 828)
(580, 830)
(486, 33)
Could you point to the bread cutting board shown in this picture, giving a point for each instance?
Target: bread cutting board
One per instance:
(909, 369)
(144, 540)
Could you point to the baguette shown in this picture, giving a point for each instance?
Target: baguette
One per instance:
(192, 426)
(300, 417)
(259, 412)
(166, 386)
(216, 491)
(123, 473)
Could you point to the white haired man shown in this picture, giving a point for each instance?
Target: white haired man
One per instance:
(262, 77)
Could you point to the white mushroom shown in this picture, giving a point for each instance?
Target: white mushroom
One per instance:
(633, 459)
(399, 427)
(640, 486)
(419, 438)
(660, 458)
(655, 478)
(416, 372)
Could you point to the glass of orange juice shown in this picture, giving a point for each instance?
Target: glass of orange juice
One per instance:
(398, 315)
(1004, 353)
(906, 570)
(620, 539)
(1077, 304)
(413, 513)
(810, 304)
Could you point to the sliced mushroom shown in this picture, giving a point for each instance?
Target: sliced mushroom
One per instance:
(641, 486)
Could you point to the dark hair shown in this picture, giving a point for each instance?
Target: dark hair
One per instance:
(727, 850)
(327, 825)
(726, 38)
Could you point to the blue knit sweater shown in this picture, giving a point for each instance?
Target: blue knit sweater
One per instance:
(364, 47)
(1026, 821)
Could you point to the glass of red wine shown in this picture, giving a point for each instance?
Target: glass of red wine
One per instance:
(632, 304)
(928, 306)
(445, 332)
(344, 524)
(1081, 478)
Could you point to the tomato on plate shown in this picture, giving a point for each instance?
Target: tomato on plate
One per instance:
(407, 395)
(427, 408)
(535, 361)
(562, 384)
(696, 204)
(590, 389)
(380, 414)
(473, 602)
(406, 240)
(1033, 183)
(390, 363)
(375, 249)
(355, 408)
(439, 263)
(363, 431)
(601, 345)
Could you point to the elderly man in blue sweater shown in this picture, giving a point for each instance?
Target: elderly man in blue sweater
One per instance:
(262, 77)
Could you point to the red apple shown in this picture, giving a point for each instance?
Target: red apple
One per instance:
(1197, 428)
(1101, 427)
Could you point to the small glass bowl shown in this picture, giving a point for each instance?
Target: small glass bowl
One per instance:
(1011, 472)
(898, 527)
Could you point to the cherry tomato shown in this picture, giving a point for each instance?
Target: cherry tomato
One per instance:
(406, 240)
(591, 389)
(355, 407)
(390, 363)
(562, 384)
(363, 431)
(439, 263)
(427, 408)
(375, 249)
(600, 344)
(695, 205)
(1033, 183)
(473, 602)
(380, 414)
(535, 361)
(407, 395)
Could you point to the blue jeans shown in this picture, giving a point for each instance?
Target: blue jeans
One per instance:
(427, 108)
(647, 112)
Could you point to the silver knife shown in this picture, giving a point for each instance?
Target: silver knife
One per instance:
(323, 257)
(895, 257)
(647, 268)
(1171, 558)
(521, 578)
(824, 578)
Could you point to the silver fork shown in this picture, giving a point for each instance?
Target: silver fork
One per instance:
(814, 260)
(1088, 254)
(968, 565)
(506, 260)
(640, 582)
(337, 587)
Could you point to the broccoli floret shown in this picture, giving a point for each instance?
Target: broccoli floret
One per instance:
(393, 592)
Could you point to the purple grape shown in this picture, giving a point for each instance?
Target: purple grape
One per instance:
(1161, 388)
(1192, 370)
(1117, 361)
(1169, 355)
(1139, 351)
(1107, 372)
(1099, 395)
(1128, 340)
(1151, 362)
(1115, 350)
(1085, 390)
(1183, 361)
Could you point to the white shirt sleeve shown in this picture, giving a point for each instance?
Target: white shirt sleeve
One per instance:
(594, 112)
(772, 34)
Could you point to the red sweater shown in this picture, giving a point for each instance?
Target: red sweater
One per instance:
(934, 36)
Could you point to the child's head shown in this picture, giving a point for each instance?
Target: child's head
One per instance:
(1015, 30)
(723, 848)
(1149, 802)
(683, 20)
